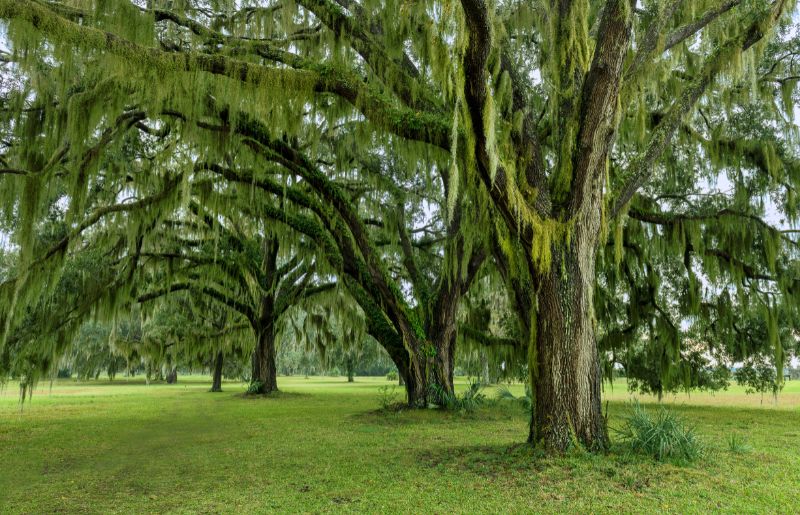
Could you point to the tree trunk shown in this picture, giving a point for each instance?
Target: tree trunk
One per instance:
(407, 354)
(443, 333)
(264, 368)
(410, 361)
(265, 373)
(417, 387)
(485, 378)
(216, 384)
(566, 375)
(172, 376)
(350, 366)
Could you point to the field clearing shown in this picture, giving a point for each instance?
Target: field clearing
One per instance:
(320, 446)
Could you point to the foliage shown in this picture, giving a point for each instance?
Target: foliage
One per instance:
(758, 376)
(503, 393)
(691, 371)
(664, 436)
(387, 397)
(491, 345)
(92, 353)
(468, 401)
(254, 387)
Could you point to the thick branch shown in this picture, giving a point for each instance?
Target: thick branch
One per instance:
(404, 122)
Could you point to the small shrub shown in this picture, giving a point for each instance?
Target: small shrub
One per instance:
(254, 387)
(392, 376)
(468, 401)
(664, 436)
(737, 444)
(387, 397)
(473, 396)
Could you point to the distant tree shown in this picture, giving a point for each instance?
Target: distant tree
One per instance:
(91, 353)
(759, 376)
(244, 268)
(363, 356)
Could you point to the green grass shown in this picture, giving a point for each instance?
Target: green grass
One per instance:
(320, 446)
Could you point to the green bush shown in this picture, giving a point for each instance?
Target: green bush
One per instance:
(664, 436)
(467, 401)
(392, 376)
(254, 387)
(387, 397)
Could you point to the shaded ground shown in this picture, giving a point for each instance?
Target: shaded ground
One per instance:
(94, 447)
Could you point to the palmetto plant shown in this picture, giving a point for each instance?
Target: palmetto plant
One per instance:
(468, 401)
(663, 435)
(502, 393)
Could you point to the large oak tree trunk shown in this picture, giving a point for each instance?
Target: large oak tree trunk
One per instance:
(216, 384)
(416, 378)
(443, 333)
(265, 373)
(566, 375)
(264, 365)
(416, 389)
(410, 360)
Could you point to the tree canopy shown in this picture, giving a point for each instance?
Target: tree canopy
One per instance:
(618, 178)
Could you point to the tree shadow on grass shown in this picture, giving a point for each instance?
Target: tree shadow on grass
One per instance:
(279, 395)
(523, 463)
(486, 460)
(400, 414)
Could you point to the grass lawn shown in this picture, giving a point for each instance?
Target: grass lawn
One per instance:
(320, 446)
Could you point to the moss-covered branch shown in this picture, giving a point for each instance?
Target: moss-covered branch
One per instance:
(634, 177)
(378, 108)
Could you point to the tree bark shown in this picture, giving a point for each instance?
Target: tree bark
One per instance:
(172, 376)
(216, 384)
(485, 377)
(417, 386)
(565, 371)
(443, 333)
(265, 373)
(264, 365)
(350, 366)
(408, 356)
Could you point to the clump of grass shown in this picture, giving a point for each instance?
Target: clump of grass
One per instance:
(468, 401)
(737, 444)
(663, 435)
